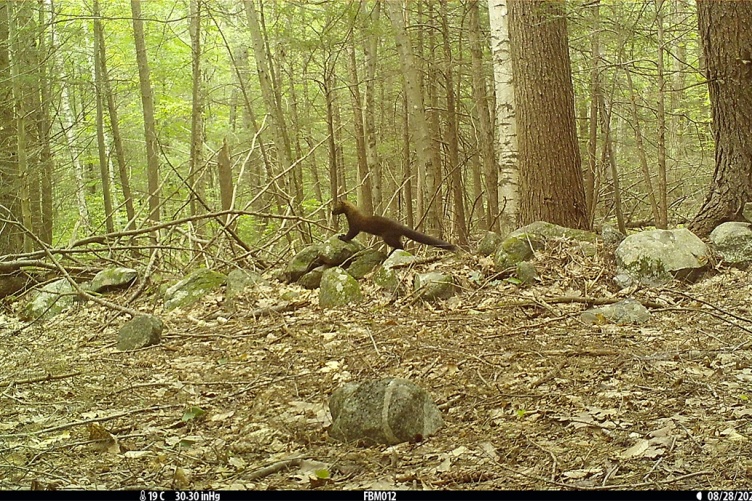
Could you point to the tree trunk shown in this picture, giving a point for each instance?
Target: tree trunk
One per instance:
(196, 181)
(147, 102)
(372, 156)
(117, 139)
(426, 155)
(104, 166)
(550, 172)
(365, 199)
(661, 115)
(508, 173)
(591, 199)
(19, 106)
(224, 176)
(726, 40)
(455, 172)
(641, 154)
(279, 129)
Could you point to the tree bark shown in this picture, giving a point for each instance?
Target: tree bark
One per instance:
(507, 175)
(147, 102)
(104, 167)
(365, 198)
(452, 141)
(550, 172)
(196, 179)
(426, 154)
(726, 40)
(117, 138)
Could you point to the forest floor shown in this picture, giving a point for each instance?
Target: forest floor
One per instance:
(532, 397)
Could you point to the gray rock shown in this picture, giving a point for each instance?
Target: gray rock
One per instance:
(238, 280)
(733, 242)
(50, 300)
(338, 288)
(304, 261)
(611, 236)
(433, 285)
(526, 273)
(624, 312)
(489, 244)
(383, 411)
(192, 288)
(549, 230)
(657, 257)
(312, 279)
(386, 278)
(139, 332)
(112, 278)
(516, 248)
(399, 257)
(334, 251)
(364, 262)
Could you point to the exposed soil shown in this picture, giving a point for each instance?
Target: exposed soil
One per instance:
(532, 397)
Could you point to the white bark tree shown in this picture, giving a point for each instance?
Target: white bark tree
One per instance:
(505, 117)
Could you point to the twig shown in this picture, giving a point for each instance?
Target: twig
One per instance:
(274, 468)
(87, 421)
(48, 377)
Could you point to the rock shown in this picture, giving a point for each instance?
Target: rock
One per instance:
(312, 279)
(515, 249)
(302, 263)
(433, 285)
(238, 280)
(50, 300)
(139, 332)
(11, 283)
(733, 242)
(611, 236)
(549, 230)
(526, 273)
(399, 257)
(624, 312)
(338, 288)
(489, 244)
(364, 262)
(112, 278)
(657, 257)
(383, 411)
(334, 251)
(194, 287)
(386, 278)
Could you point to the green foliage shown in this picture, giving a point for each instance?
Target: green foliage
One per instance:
(192, 413)
(309, 47)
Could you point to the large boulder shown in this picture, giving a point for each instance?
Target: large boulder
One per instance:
(657, 257)
(383, 411)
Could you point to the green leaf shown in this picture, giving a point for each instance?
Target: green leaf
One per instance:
(193, 413)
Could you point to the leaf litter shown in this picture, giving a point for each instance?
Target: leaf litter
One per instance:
(532, 397)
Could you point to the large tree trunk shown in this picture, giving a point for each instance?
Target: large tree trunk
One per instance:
(727, 39)
(661, 112)
(551, 180)
(147, 101)
(591, 196)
